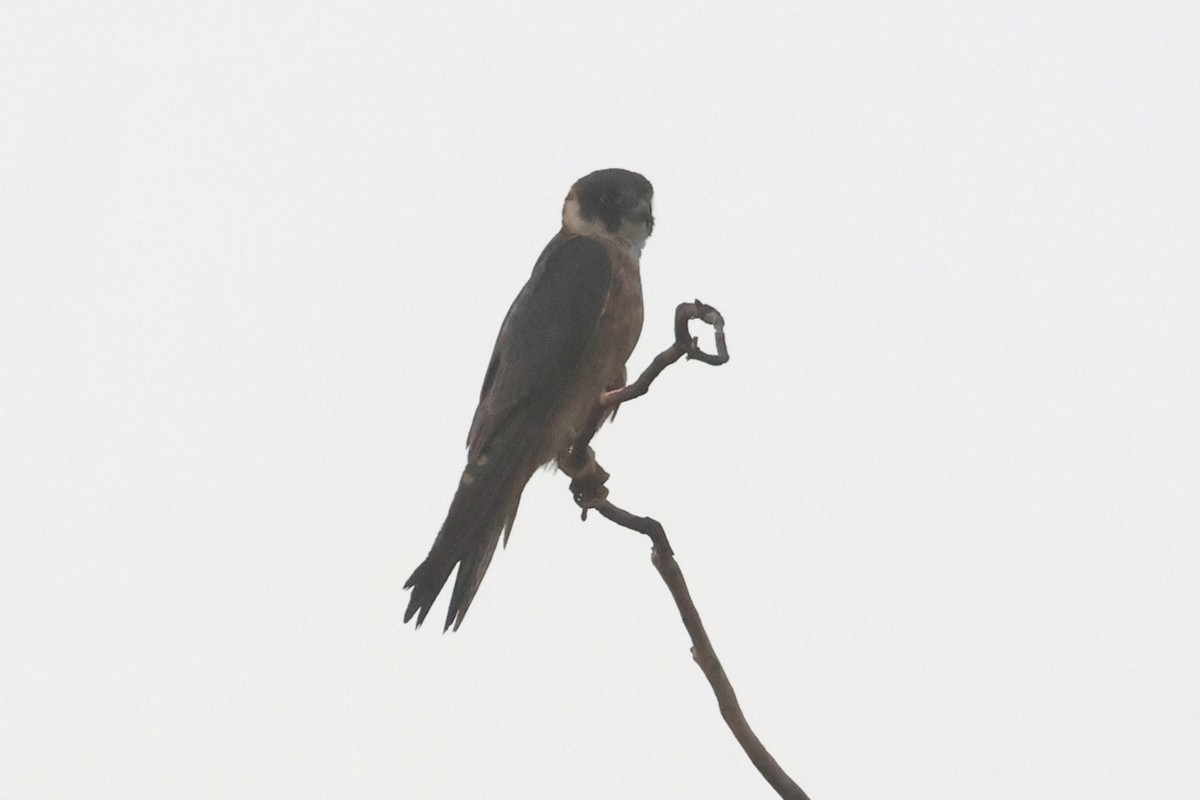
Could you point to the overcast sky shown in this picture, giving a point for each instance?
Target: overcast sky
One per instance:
(940, 512)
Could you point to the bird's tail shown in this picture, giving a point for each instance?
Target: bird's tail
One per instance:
(483, 508)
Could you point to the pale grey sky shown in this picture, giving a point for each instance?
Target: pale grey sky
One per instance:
(940, 512)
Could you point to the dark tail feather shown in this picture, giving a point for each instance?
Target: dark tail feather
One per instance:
(484, 506)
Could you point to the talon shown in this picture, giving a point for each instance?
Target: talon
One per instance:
(588, 494)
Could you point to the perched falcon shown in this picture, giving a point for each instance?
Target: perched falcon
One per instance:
(564, 342)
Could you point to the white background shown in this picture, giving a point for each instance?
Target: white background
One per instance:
(940, 511)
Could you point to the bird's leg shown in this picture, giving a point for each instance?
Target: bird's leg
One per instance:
(587, 477)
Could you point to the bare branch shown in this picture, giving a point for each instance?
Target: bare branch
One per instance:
(685, 345)
(589, 491)
(703, 653)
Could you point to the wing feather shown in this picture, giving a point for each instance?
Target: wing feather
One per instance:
(544, 336)
(538, 353)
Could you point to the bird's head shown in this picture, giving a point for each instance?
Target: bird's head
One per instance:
(610, 203)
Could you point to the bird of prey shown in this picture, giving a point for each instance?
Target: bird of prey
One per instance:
(564, 342)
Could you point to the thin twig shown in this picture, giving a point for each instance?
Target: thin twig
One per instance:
(684, 345)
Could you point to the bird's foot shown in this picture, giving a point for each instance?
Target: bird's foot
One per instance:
(587, 479)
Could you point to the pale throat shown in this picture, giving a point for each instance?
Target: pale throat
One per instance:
(632, 234)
